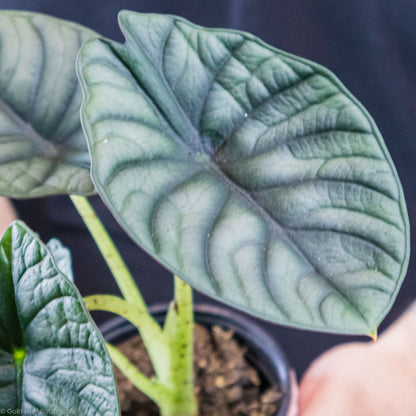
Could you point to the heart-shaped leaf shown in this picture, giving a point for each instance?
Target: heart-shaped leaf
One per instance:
(42, 147)
(251, 173)
(52, 356)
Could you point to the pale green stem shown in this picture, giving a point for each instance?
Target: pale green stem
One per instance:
(114, 304)
(150, 387)
(111, 255)
(170, 350)
(179, 331)
(156, 343)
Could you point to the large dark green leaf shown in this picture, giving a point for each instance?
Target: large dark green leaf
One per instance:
(51, 354)
(42, 147)
(251, 173)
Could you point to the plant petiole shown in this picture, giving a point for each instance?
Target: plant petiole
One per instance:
(109, 251)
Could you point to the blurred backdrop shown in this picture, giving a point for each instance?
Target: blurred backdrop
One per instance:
(369, 44)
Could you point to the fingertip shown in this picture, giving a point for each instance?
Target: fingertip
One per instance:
(293, 408)
(310, 387)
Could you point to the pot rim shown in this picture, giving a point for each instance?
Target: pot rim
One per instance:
(245, 329)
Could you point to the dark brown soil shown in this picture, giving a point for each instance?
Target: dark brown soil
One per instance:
(226, 384)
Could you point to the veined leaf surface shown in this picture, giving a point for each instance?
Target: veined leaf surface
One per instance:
(251, 173)
(52, 356)
(42, 147)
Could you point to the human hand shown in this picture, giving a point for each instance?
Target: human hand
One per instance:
(363, 379)
(7, 214)
(293, 407)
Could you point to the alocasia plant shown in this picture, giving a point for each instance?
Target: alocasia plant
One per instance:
(250, 173)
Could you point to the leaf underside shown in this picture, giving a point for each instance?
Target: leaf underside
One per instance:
(42, 147)
(66, 369)
(249, 172)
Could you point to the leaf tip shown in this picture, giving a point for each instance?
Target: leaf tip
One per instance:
(373, 334)
(122, 15)
(18, 225)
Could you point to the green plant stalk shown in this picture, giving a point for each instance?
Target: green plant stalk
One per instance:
(179, 330)
(161, 395)
(115, 262)
(153, 338)
(150, 387)
(170, 350)
(156, 344)
(133, 306)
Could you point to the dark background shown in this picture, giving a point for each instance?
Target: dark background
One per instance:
(369, 44)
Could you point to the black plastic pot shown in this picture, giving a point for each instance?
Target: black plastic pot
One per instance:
(263, 351)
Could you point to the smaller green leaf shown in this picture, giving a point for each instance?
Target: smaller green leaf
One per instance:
(52, 356)
(42, 147)
(62, 257)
